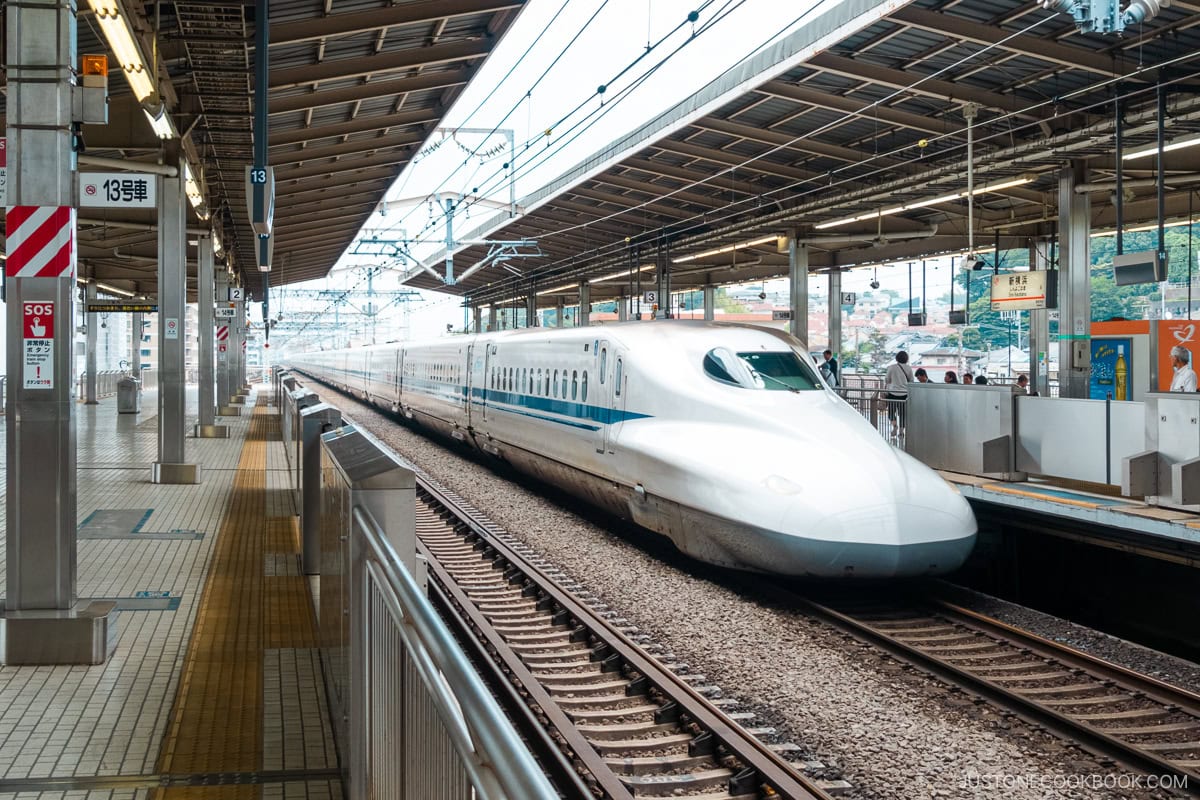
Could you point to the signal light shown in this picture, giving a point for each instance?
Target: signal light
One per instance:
(95, 65)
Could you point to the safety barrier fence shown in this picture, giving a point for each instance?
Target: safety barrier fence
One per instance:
(412, 716)
(107, 380)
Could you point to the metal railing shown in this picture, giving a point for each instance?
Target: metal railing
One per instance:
(886, 414)
(106, 382)
(434, 730)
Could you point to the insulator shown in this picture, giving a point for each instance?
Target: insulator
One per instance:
(1141, 10)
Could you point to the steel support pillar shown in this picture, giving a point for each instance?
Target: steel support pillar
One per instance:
(798, 287)
(664, 284)
(205, 293)
(224, 352)
(531, 320)
(1074, 285)
(585, 304)
(172, 466)
(560, 307)
(477, 316)
(241, 386)
(835, 313)
(710, 302)
(135, 346)
(622, 308)
(1039, 325)
(42, 622)
(93, 338)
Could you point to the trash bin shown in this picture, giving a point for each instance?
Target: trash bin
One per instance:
(129, 396)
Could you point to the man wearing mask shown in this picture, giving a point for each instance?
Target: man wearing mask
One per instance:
(1185, 376)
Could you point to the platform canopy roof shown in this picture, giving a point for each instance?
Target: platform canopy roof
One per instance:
(860, 113)
(356, 87)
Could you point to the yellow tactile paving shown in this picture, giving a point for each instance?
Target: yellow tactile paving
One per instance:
(1005, 489)
(217, 720)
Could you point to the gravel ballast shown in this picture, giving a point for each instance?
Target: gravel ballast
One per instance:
(890, 732)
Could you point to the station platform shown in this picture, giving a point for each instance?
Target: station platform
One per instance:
(1112, 520)
(215, 687)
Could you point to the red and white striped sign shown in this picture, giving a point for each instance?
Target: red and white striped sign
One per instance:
(41, 242)
(222, 333)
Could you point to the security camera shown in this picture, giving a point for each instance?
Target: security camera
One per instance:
(874, 284)
(762, 295)
(974, 263)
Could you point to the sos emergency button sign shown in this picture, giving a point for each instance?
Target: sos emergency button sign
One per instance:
(38, 328)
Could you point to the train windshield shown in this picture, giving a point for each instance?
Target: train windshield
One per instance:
(772, 370)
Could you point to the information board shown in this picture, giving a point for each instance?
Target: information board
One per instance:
(1023, 290)
(38, 327)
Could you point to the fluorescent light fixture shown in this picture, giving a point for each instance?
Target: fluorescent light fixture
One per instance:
(727, 249)
(946, 198)
(162, 125)
(622, 274)
(1152, 226)
(117, 31)
(191, 187)
(104, 287)
(1152, 149)
(558, 289)
(216, 241)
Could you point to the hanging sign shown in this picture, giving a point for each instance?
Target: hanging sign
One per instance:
(236, 294)
(116, 190)
(1023, 290)
(106, 307)
(38, 327)
(650, 296)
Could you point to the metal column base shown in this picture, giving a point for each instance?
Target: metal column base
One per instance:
(211, 432)
(84, 634)
(237, 400)
(229, 411)
(175, 473)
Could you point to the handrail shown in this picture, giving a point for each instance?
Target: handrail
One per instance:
(494, 756)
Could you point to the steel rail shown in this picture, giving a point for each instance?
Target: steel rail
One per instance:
(770, 769)
(1092, 739)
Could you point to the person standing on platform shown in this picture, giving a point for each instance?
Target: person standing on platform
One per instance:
(1185, 376)
(981, 380)
(950, 377)
(829, 368)
(922, 375)
(968, 379)
(899, 376)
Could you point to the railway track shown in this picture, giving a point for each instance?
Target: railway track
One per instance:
(1115, 713)
(628, 727)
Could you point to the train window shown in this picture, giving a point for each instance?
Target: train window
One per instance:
(546, 391)
(583, 388)
(617, 379)
(574, 384)
(554, 383)
(564, 385)
(603, 362)
(772, 370)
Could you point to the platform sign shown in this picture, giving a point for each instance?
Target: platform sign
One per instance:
(227, 311)
(650, 296)
(116, 190)
(849, 298)
(38, 328)
(172, 328)
(105, 307)
(236, 294)
(1023, 290)
(3, 171)
(780, 316)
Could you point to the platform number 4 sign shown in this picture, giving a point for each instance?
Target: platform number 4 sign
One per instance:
(236, 294)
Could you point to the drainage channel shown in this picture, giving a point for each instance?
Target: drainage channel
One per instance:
(626, 725)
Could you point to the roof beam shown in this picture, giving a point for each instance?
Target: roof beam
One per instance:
(723, 182)
(958, 28)
(945, 91)
(294, 191)
(378, 122)
(659, 206)
(388, 17)
(347, 68)
(439, 79)
(394, 160)
(373, 144)
(788, 142)
(836, 102)
(682, 194)
(734, 160)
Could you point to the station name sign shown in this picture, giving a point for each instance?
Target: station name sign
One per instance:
(116, 190)
(1024, 290)
(122, 308)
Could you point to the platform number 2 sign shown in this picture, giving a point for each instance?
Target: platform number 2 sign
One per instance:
(236, 294)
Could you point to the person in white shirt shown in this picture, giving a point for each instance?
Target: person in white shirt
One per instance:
(1185, 376)
(899, 376)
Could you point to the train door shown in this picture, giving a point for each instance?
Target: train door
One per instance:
(618, 389)
(600, 404)
(489, 367)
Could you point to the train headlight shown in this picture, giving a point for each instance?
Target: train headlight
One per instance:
(781, 485)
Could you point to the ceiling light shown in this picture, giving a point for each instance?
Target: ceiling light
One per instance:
(728, 248)
(115, 25)
(558, 289)
(216, 241)
(946, 198)
(625, 273)
(191, 186)
(162, 125)
(1150, 150)
(1152, 226)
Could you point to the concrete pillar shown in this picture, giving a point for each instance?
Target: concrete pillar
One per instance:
(172, 466)
(622, 308)
(224, 357)
(531, 320)
(135, 345)
(559, 310)
(798, 287)
(205, 293)
(40, 423)
(585, 303)
(1074, 285)
(91, 320)
(664, 284)
(1039, 325)
(835, 312)
(477, 315)
(710, 303)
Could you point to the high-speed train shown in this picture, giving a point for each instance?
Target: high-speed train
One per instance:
(722, 437)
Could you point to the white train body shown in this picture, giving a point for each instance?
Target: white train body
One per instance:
(681, 427)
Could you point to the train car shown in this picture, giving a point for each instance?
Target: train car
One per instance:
(724, 438)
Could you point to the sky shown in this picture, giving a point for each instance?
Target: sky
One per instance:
(543, 77)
